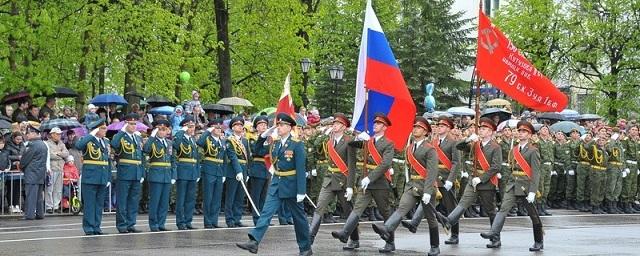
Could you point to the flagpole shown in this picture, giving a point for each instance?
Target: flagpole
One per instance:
(477, 109)
(366, 128)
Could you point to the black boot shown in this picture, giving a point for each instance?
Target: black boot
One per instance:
(496, 228)
(412, 225)
(377, 214)
(521, 210)
(571, 205)
(434, 239)
(313, 227)
(449, 221)
(538, 244)
(306, 253)
(351, 245)
(251, 246)
(386, 229)
(349, 227)
(610, 208)
(544, 210)
(539, 208)
(328, 218)
(388, 248)
(453, 239)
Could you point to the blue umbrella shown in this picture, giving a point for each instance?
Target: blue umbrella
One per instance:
(566, 127)
(165, 110)
(461, 111)
(570, 114)
(107, 99)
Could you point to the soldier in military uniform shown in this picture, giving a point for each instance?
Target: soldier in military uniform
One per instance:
(374, 182)
(188, 173)
(448, 168)
(506, 143)
(598, 175)
(562, 157)
(630, 180)
(523, 184)
(212, 171)
(570, 193)
(545, 145)
(583, 189)
(258, 171)
(342, 161)
(483, 180)
(160, 174)
(128, 150)
(314, 182)
(96, 175)
(238, 153)
(288, 186)
(423, 162)
(614, 172)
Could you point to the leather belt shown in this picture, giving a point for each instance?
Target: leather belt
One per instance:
(129, 161)
(599, 168)
(285, 173)
(213, 159)
(160, 164)
(94, 162)
(518, 173)
(615, 163)
(632, 162)
(369, 166)
(258, 159)
(187, 160)
(416, 177)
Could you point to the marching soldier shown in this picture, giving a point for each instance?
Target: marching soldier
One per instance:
(423, 162)
(238, 153)
(128, 150)
(288, 186)
(562, 156)
(546, 145)
(483, 180)
(374, 182)
(342, 160)
(583, 190)
(630, 181)
(614, 172)
(448, 164)
(598, 177)
(523, 184)
(212, 169)
(188, 173)
(160, 174)
(96, 175)
(259, 172)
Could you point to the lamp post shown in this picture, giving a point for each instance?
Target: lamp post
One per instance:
(305, 64)
(336, 73)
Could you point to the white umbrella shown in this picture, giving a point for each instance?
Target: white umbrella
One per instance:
(461, 111)
(511, 123)
(235, 101)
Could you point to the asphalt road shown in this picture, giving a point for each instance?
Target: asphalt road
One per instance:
(566, 233)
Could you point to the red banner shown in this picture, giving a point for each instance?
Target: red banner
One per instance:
(500, 63)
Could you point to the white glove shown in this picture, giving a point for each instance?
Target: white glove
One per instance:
(108, 184)
(210, 129)
(572, 172)
(499, 176)
(363, 136)
(447, 185)
(531, 197)
(426, 198)
(247, 179)
(239, 176)
(364, 183)
(626, 170)
(299, 198)
(314, 172)
(554, 173)
(197, 180)
(624, 174)
(328, 131)
(153, 133)
(137, 133)
(638, 171)
(475, 181)
(184, 128)
(306, 175)
(391, 171)
(268, 132)
(465, 175)
(94, 131)
(349, 194)
(141, 180)
(272, 170)
(173, 181)
(224, 179)
(124, 127)
(472, 138)
(615, 136)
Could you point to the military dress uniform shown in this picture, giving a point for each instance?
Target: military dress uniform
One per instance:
(212, 173)
(570, 192)
(288, 187)
(562, 161)
(547, 158)
(258, 171)
(378, 187)
(187, 173)
(238, 155)
(583, 189)
(524, 182)
(342, 160)
(130, 175)
(423, 175)
(630, 183)
(598, 177)
(96, 177)
(160, 176)
(448, 170)
(614, 175)
(487, 166)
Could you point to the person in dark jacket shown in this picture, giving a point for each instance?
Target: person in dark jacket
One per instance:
(15, 147)
(35, 165)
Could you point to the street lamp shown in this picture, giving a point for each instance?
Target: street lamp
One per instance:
(305, 64)
(336, 72)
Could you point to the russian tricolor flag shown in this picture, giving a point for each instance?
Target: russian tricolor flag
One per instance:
(380, 82)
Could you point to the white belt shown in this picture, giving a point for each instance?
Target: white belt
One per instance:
(561, 164)
(506, 164)
(632, 162)
(468, 162)
(400, 161)
(547, 163)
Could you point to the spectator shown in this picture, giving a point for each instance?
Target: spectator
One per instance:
(44, 117)
(195, 101)
(91, 115)
(7, 111)
(113, 112)
(58, 153)
(35, 163)
(21, 113)
(66, 112)
(48, 107)
(5, 166)
(72, 138)
(199, 117)
(175, 119)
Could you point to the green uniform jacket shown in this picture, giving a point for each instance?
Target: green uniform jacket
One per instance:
(562, 156)
(493, 153)
(631, 149)
(428, 157)
(448, 146)
(523, 184)
(376, 175)
(334, 180)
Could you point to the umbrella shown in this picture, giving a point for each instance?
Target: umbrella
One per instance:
(570, 114)
(80, 131)
(117, 126)
(511, 123)
(15, 97)
(461, 111)
(107, 99)
(268, 110)
(62, 123)
(498, 102)
(4, 124)
(589, 117)
(60, 92)
(501, 113)
(537, 126)
(158, 101)
(551, 116)
(436, 114)
(564, 126)
(218, 108)
(165, 110)
(235, 101)
(300, 120)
